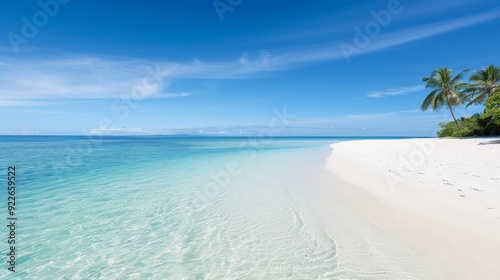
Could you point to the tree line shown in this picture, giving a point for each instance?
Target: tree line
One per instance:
(450, 91)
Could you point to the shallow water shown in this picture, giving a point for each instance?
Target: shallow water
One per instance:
(189, 208)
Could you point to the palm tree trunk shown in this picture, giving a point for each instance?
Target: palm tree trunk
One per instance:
(453, 115)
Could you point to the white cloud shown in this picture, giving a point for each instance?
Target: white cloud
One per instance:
(23, 81)
(12, 103)
(173, 95)
(121, 130)
(395, 91)
(424, 123)
(332, 51)
(28, 78)
(82, 77)
(24, 78)
(421, 32)
(19, 132)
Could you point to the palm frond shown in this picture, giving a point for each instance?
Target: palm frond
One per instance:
(486, 83)
(479, 99)
(429, 101)
(439, 101)
(458, 78)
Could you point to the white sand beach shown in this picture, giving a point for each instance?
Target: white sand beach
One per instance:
(440, 196)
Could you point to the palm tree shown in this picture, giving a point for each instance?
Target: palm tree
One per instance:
(487, 82)
(447, 90)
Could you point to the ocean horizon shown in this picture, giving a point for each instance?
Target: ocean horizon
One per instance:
(231, 139)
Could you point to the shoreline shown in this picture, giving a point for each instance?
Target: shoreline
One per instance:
(440, 196)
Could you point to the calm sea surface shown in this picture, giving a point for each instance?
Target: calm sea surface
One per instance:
(165, 208)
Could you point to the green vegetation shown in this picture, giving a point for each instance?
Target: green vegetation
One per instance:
(486, 83)
(448, 90)
(451, 91)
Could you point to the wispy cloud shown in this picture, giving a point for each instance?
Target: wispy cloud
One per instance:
(25, 79)
(333, 51)
(348, 124)
(421, 32)
(13, 103)
(72, 77)
(395, 91)
(173, 95)
(281, 59)
(118, 131)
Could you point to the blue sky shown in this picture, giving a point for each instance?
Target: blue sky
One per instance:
(226, 67)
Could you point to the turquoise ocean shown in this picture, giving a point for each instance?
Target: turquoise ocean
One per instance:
(158, 207)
